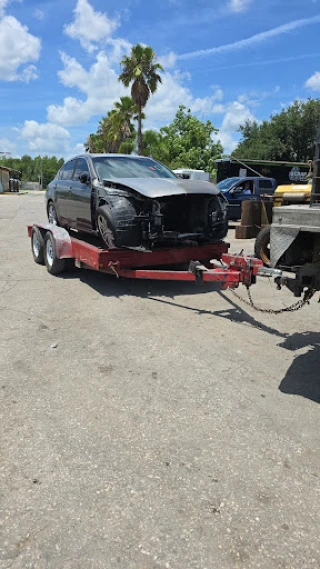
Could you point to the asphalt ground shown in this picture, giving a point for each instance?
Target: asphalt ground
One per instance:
(151, 425)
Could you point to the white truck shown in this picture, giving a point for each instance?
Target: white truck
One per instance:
(190, 174)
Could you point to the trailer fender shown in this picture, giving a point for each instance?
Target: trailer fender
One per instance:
(61, 237)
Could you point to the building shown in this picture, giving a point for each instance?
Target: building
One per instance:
(9, 179)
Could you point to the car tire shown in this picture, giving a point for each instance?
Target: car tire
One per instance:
(55, 266)
(262, 246)
(52, 214)
(106, 228)
(37, 246)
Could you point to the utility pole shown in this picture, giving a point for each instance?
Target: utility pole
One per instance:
(41, 173)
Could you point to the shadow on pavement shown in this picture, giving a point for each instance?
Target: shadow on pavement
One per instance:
(303, 376)
(108, 285)
(233, 314)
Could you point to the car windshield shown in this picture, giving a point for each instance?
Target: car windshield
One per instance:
(109, 168)
(225, 185)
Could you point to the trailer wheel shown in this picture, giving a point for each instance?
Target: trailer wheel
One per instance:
(105, 227)
(37, 246)
(262, 246)
(54, 265)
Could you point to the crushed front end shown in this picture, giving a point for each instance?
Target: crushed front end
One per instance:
(148, 213)
(194, 218)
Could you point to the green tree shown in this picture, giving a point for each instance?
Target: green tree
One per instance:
(31, 168)
(116, 131)
(124, 112)
(94, 143)
(141, 72)
(153, 145)
(186, 142)
(289, 135)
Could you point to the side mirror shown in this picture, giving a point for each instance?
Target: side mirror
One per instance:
(237, 190)
(84, 178)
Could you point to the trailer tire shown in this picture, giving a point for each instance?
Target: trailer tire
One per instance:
(54, 265)
(106, 227)
(262, 246)
(37, 246)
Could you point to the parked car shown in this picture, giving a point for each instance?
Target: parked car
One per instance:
(134, 201)
(237, 190)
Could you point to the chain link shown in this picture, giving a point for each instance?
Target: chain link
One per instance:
(293, 308)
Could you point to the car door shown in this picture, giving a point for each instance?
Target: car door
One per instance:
(62, 192)
(265, 188)
(238, 194)
(80, 202)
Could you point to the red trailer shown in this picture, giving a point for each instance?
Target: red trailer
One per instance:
(57, 249)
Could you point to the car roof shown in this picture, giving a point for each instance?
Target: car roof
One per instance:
(110, 155)
(258, 178)
(248, 178)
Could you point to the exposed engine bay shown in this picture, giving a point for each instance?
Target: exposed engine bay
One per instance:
(182, 217)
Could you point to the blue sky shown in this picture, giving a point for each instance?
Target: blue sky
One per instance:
(226, 60)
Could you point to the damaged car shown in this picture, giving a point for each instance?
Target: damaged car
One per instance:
(136, 202)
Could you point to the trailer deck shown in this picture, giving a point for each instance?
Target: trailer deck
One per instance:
(56, 247)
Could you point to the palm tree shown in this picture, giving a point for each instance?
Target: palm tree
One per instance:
(123, 113)
(140, 70)
(116, 127)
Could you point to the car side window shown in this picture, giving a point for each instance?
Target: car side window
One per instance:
(265, 187)
(243, 188)
(81, 168)
(66, 171)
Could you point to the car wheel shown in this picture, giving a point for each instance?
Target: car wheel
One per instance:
(54, 265)
(37, 246)
(105, 228)
(262, 246)
(52, 214)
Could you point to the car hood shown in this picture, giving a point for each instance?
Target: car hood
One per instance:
(164, 187)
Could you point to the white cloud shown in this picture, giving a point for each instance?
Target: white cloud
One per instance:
(236, 114)
(90, 27)
(17, 48)
(253, 40)
(3, 4)
(239, 5)
(100, 85)
(75, 151)
(38, 14)
(101, 89)
(314, 82)
(28, 73)
(46, 137)
(6, 145)
(168, 60)
(117, 48)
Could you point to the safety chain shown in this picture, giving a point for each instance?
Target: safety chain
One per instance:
(293, 308)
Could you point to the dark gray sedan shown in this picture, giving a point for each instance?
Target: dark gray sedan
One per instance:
(134, 201)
